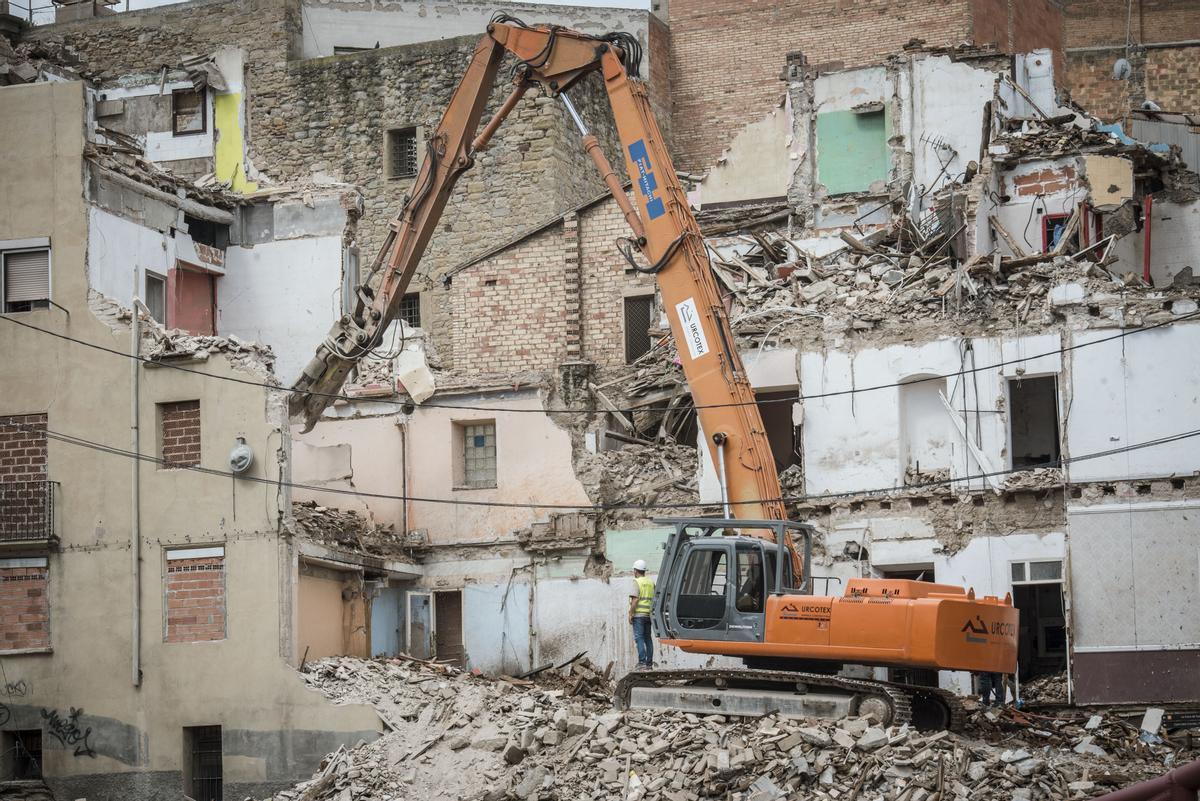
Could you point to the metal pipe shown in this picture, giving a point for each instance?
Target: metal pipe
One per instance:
(135, 521)
(720, 438)
(1148, 204)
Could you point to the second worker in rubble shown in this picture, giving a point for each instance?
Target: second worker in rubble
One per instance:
(641, 601)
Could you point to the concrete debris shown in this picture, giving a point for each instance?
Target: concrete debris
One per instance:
(663, 474)
(1051, 689)
(460, 735)
(341, 528)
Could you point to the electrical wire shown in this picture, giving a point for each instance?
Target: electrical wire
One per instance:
(605, 410)
(890, 491)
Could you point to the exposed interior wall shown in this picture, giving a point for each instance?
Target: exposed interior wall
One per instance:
(1131, 390)
(1141, 648)
(758, 164)
(120, 252)
(719, 83)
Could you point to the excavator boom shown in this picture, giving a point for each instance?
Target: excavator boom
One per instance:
(738, 585)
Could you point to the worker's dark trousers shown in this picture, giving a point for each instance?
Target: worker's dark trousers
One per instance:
(644, 640)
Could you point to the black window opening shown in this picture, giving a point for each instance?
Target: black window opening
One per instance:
(23, 755)
(410, 309)
(639, 312)
(402, 155)
(207, 232)
(204, 777)
(188, 115)
(1033, 421)
(25, 280)
(156, 297)
(701, 603)
(775, 408)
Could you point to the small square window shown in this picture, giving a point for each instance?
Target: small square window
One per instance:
(26, 279)
(478, 455)
(1045, 571)
(188, 112)
(1018, 571)
(410, 309)
(402, 152)
(156, 297)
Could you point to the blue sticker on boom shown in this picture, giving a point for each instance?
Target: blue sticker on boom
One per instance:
(645, 178)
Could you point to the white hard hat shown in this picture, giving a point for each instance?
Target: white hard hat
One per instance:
(640, 565)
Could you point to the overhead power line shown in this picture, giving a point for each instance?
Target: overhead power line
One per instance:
(892, 491)
(604, 410)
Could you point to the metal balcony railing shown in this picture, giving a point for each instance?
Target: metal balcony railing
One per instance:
(27, 510)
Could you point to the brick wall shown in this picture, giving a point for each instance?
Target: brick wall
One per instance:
(179, 433)
(23, 488)
(24, 608)
(605, 282)
(1018, 26)
(1044, 182)
(727, 55)
(194, 599)
(1165, 75)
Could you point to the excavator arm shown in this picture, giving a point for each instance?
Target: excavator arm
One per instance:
(662, 226)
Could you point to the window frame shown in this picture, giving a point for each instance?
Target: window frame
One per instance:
(1009, 407)
(626, 300)
(175, 95)
(147, 275)
(390, 142)
(414, 297)
(1027, 565)
(27, 246)
(461, 462)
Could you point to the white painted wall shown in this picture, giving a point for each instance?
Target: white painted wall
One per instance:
(357, 23)
(120, 252)
(946, 105)
(1132, 390)
(284, 294)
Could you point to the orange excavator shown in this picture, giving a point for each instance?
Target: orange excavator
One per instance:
(737, 586)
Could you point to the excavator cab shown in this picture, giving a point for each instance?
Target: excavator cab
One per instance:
(716, 576)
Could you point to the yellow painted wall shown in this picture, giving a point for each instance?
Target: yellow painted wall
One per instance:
(320, 613)
(230, 148)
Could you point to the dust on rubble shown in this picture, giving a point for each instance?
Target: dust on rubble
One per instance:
(454, 735)
(346, 528)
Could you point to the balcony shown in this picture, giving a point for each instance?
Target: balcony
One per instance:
(27, 512)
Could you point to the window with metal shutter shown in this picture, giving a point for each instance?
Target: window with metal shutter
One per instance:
(26, 277)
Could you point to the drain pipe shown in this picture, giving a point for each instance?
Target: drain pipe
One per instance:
(135, 521)
(720, 438)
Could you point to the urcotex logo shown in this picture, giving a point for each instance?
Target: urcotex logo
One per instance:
(646, 181)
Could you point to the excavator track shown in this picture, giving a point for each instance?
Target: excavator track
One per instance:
(927, 708)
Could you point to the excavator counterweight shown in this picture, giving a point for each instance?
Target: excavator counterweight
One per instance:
(743, 585)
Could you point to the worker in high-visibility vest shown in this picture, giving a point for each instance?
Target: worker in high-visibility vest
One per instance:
(641, 601)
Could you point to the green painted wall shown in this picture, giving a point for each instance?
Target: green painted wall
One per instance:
(852, 151)
(623, 548)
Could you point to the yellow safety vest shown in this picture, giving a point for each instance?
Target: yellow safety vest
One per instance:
(645, 601)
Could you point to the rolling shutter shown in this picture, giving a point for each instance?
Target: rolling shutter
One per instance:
(26, 276)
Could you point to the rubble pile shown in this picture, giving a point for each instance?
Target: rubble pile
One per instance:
(1051, 689)
(341, 528)
(662, 474)
(454, 735)
(34, 60)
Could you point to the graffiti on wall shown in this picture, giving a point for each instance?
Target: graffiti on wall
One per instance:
(68, 731)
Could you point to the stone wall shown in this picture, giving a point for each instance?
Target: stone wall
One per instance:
(329, 117)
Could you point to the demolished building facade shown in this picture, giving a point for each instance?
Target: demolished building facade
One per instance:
(967, 328)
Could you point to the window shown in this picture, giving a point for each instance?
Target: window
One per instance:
(402, 152)
(776, 410)
(23, 755)
(639, 312)
(194, 594)
(25, 625)
(1033, 421)
(188, 112)
(750, 580)
(156, 297)
(203, 776)
(26, 279)
(410, 309)
(207, 232)
(701, 602)
(1033, 572)
(179, 434)
(478, 454)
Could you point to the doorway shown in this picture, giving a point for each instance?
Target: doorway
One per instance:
(420, 625)
(448, 638)
(1042, 631)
